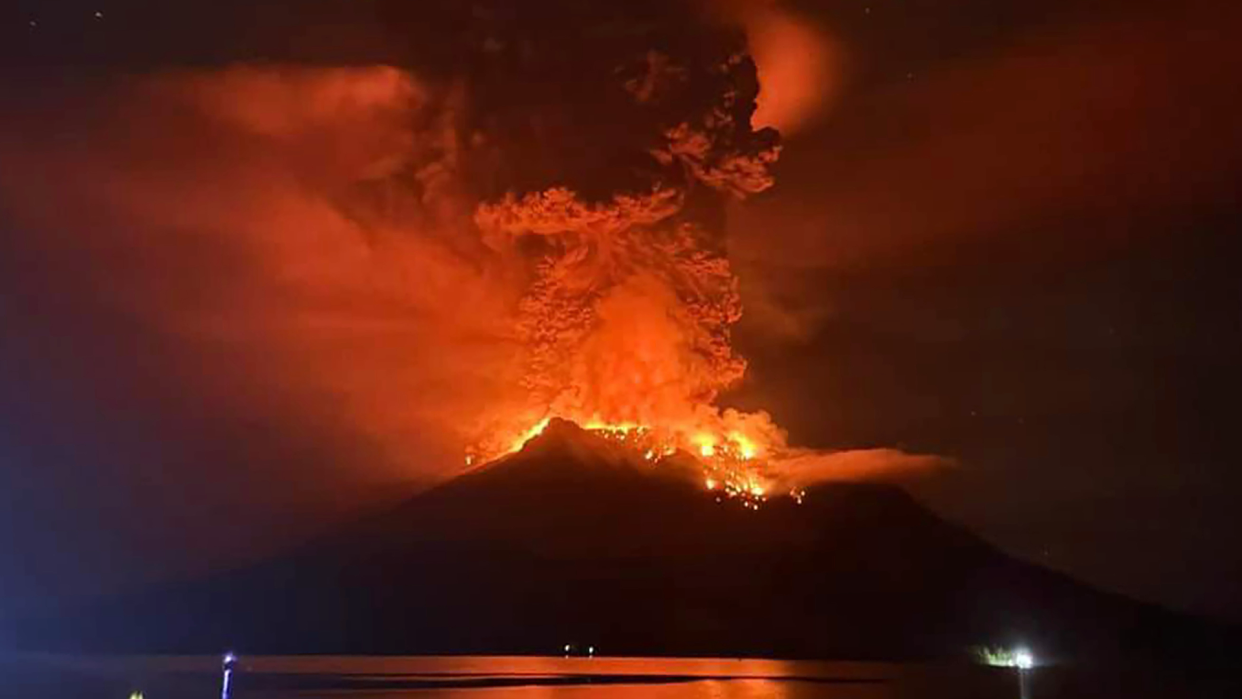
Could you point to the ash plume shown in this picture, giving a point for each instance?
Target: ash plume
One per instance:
(630, 299)
(396, 261)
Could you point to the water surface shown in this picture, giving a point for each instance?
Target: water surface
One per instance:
(473, 677)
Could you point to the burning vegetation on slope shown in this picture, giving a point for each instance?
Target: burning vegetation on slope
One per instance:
(733, 469)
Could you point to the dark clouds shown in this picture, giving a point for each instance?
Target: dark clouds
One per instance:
(1110, 120)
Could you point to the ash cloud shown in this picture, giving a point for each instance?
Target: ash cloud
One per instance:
(288, 279)
(247, 216)
(302, 242)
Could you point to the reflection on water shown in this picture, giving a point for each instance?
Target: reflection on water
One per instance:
(63, 677)
(322, 677)
(566, 678)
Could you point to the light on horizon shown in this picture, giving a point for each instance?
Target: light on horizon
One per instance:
(1020, 657)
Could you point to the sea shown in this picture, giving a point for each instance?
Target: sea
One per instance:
(29, 676)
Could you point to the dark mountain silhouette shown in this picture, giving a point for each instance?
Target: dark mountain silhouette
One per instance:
(572, 541)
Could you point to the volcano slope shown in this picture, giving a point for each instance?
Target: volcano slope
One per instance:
(574, 541)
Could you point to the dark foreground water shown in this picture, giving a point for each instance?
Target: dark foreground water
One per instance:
(185, 677)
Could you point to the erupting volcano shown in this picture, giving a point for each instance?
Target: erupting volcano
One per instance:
(624, 327)
(627, 297)
(428, 261)
(391, 327)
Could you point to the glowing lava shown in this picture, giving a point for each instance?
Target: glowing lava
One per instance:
(732, 462)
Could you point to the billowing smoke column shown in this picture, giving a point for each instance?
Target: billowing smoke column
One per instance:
(626, 320)
(607, 181)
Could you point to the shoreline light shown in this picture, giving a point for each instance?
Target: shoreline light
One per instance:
(229, 662)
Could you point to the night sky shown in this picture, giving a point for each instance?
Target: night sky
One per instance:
(1006, 233)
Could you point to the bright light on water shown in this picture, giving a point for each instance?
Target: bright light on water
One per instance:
(1020, 658)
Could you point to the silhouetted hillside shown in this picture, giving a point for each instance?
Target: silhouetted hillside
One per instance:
(573, 542)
